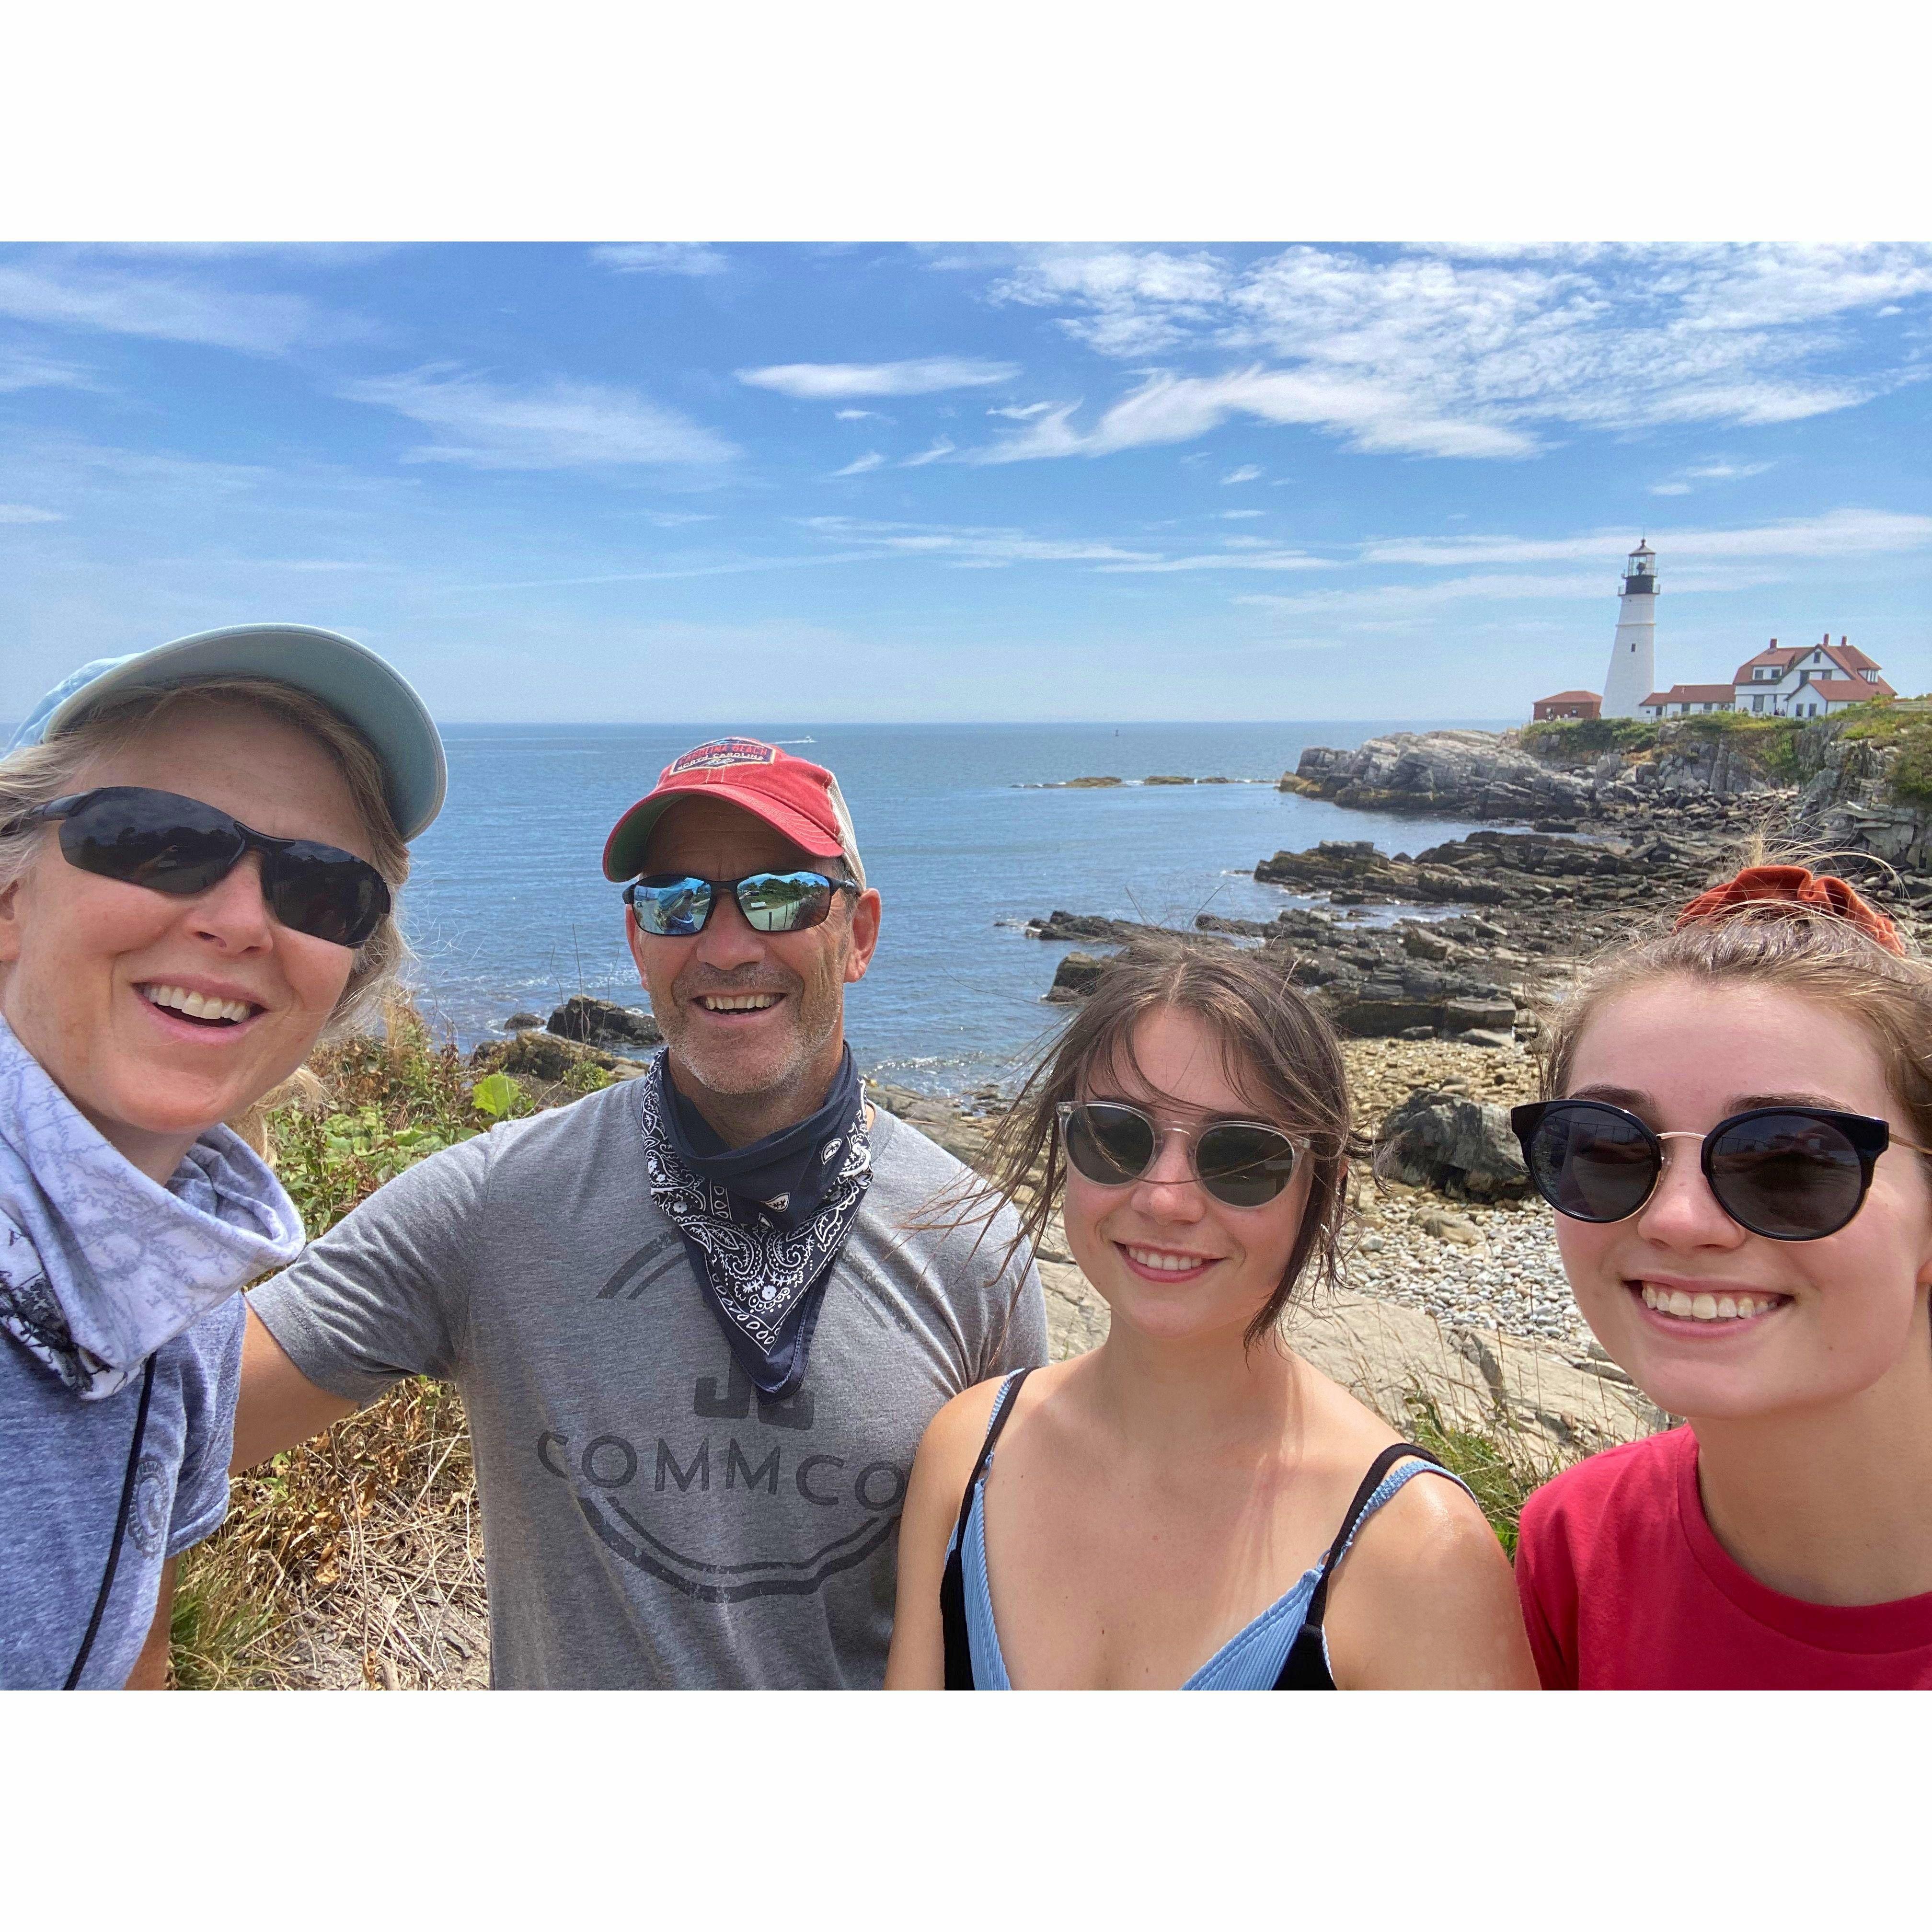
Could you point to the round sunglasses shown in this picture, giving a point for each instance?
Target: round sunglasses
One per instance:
(180, 846)
(1240, 1163)
(1790, 1173)
(670, 905)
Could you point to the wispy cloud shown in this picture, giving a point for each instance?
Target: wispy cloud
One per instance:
(556, 425)
(169, 308)
(661, 258)
(1398, 603)
(982, 547)
(1022, 411)
(942, 446)
(871, 459)
(20, 371)
(1451, 351)
(1250, 553)
(25, 513)
(1169, 409)
(1683, 484)
(856, 415)
(1247, 473)
(1835, 533)
(820, 381)
(974, 545)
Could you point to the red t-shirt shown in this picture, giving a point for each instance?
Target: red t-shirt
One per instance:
(1625, 1588)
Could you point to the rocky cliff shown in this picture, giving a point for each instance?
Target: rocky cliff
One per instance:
(1492, 774)
(1853, 796)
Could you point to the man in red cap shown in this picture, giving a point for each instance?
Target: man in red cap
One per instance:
(700, 1319)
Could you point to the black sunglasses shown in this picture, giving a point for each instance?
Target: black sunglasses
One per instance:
(1241, 1163)
(180, 846)
(671, 905)
(1791, 1173)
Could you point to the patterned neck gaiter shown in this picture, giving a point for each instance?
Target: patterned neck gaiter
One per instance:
(99, 1265)
(763, 1224)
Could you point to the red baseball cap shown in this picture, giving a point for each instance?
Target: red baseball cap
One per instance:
(793, 796)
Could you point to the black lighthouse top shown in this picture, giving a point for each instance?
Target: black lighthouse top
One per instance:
(1640, 573)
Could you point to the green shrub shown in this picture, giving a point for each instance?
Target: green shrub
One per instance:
(1587, 737)
(1912, 774)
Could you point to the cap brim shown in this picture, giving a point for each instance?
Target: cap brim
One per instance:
(624, 850)
(349, 679)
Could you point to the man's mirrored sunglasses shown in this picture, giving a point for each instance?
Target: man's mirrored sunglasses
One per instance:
(671, 905)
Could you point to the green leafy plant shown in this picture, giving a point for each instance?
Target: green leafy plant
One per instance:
(499, 1096)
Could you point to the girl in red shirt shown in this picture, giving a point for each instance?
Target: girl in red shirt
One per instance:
(1736, 1145)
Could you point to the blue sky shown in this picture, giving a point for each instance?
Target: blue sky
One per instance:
(726, 482)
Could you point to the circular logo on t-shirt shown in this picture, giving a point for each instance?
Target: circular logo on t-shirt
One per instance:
(148, 1514)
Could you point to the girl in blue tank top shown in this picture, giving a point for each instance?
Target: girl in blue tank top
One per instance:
(1189, 1504)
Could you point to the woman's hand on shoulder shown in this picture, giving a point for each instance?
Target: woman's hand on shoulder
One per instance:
(947, 1454)
(1425, 1600)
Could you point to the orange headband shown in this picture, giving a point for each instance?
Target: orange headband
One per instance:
(1792, 885)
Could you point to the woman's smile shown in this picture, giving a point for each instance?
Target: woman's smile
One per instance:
(1168, 1264)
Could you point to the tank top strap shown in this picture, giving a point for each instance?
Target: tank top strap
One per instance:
(953, 1584)
(1307, 1668)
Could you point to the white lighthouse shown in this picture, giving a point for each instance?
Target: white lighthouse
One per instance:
(1632, 675)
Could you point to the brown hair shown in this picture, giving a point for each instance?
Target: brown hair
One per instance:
(1275, 1047)
(1792, 945)
(38, 774)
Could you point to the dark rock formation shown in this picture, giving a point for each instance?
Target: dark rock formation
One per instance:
(604, 1023)
(1075, 976)
(543, 1056)
(522, 1022)
(1457, 1147)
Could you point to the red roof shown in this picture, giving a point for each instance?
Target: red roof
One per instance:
(1778, 660)
(1693, 694)
(1572, 698)
(1847, 690)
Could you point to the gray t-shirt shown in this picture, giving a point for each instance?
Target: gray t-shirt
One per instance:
(66, 1463)
(647, 1521)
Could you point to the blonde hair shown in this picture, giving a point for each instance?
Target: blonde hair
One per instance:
(38, 774)
(1802, 949)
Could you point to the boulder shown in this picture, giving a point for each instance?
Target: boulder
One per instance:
(604, 1023)
(522, 1022)
(543, 1056)
(1478, 1015)
(1455, 1146)
(1075, 978)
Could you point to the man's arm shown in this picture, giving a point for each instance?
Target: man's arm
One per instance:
(279, 1405)
(378, 1296)
(150, 1668)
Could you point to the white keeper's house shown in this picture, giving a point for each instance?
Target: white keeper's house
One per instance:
(1811, 681)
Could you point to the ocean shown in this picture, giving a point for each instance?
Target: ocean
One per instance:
(507, 908)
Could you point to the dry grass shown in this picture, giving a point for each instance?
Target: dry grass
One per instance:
(357, 1557)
